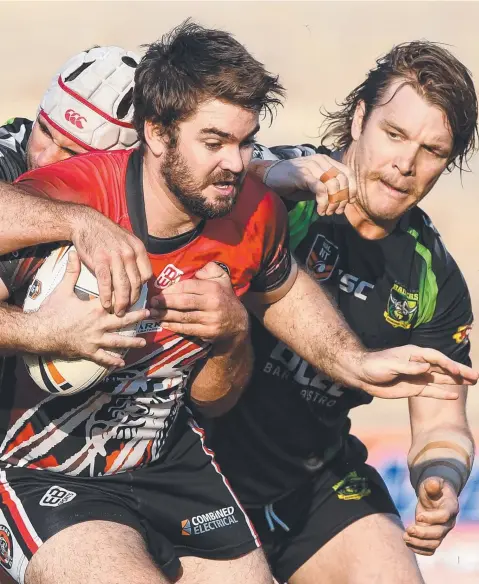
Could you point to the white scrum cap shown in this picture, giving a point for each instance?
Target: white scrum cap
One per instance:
(90, 99)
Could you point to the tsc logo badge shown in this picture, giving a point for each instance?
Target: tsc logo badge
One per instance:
(322, 258)
(402, 307)
(352, 487)
(6, 547)
(462, 334)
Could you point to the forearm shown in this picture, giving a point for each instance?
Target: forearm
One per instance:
(21, 332)
(218, 385)
(307, 321)
(446, 452)
(27, 220)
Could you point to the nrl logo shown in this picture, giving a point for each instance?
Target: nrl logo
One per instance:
(322, 258)
(402, 307)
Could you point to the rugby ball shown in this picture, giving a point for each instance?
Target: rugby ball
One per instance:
(62, 376)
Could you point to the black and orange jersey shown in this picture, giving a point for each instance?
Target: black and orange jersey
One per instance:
(405, 288)
(123, 422)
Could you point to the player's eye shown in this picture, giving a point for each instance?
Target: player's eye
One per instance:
(213, 145)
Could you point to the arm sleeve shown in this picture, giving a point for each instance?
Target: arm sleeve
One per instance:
(278, 269)
(448, 330)
(12, 164)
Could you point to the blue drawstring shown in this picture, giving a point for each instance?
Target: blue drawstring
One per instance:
(271, 516)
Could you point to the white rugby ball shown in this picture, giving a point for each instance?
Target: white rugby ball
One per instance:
(62, 376)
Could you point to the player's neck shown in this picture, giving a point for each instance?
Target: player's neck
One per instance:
(367, 226)
(165, 216)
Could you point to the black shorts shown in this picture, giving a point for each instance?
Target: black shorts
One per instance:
(182, 506)
(293, 529)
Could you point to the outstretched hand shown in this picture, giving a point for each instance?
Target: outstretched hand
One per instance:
(411, 371)
(436, 512)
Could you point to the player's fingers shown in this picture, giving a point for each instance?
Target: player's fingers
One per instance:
(121, 285)
(103, 278)
(108, 360)
(133, 275)
(425, 547)
(321, 192)
(179, 301)
(438, 359)
(213, 271)
(196, 317)
(439, 516)
(410, 368)
(142, 260)
(431, 489)
(114, 323)
(72, 273)
(193, 330)
(190, 286)
(434, 532)
(117, 341)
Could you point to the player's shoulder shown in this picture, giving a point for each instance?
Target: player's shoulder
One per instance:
(14, 136)
(83, 168)
(256, 203)
(430, 244)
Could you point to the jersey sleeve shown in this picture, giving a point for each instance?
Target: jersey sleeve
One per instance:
(448, 330)
(278, 269)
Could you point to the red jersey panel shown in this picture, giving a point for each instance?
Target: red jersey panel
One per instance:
(124, 421)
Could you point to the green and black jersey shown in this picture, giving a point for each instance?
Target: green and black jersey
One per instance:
(14, 136)
(405, 288)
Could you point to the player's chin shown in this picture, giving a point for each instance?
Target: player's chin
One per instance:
(220, 206)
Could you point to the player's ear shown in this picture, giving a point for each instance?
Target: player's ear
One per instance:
(156, 139)
(358, 120)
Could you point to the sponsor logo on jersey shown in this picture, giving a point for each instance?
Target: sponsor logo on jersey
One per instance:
(35, 289)
(353, 285)
(56, 496)
(170, 275)
(462, 334)
(75, 118)
(322, 258)
(209, 521)
(402, 307)
(352, 487)
(6, 547)
(149, 326)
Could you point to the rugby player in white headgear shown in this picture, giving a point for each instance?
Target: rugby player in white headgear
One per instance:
(88, 106)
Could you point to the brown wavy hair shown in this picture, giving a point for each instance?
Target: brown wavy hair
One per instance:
(192, 64)
(436, 75)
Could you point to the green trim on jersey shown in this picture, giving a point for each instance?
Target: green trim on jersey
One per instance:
(9, 121)
(300, 219)
(428, 289)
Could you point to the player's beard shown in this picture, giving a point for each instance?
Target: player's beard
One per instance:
(181, 182)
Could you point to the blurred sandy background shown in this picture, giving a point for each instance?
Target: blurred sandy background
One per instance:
(321, 50)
